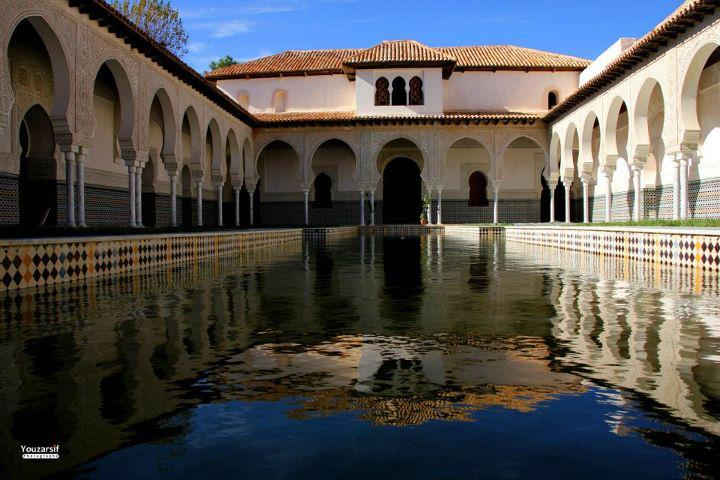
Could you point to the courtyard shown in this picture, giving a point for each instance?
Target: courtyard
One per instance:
(395, 261)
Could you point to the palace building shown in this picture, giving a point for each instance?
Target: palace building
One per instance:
(100, 125)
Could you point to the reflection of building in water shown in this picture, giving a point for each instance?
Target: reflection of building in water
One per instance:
(396, 381)
(621, 323)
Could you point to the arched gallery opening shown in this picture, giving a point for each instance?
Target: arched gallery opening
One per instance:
(334, 191)
(519, 181)
(38, 182)
(400, 164)
(278, 169)
(32, 73)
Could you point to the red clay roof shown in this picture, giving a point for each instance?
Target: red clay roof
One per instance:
(500, 57)
(690, 13)
(401, 52)
(327, 118)
(292, 62)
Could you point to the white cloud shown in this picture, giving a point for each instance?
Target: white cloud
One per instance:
(229, 28)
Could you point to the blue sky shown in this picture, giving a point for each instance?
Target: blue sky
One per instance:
(255, 28)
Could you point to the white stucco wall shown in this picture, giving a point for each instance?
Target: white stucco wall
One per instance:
(506, 90)
(312, 93)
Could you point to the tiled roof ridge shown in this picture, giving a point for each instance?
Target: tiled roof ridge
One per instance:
(636, 53)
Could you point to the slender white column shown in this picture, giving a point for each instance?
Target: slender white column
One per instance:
(199, 202)
(306, 196)
(237, 206)
(81, 189)
(131, 193)
(496, 212)
(676, 191)
(362, 207)
(428, 212)
(372, 207)
(637, 216)
(138, 197)
(552, 205)
(252, 206)
(608, 198)
(70, 186)
(220, 205)
(438, 218)
(683, 187)
(173, 200)
(586, 201)
(566, 186)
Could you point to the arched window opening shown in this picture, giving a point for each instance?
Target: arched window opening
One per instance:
(399, 95)
(416, 91)
(280, 102)
(243, 98)
(382, 92)
(323, 194)
(552, 100)
(478, 190)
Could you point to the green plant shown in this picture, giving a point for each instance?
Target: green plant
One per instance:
(424, 213)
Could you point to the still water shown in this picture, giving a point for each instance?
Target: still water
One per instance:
(368, 357)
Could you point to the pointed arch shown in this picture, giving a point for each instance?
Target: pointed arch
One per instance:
(214, 154)
(126, 99)
(61, 71)
(192, 142)
(169, 122)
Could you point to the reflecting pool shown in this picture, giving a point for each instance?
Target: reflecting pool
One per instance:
(368, 357)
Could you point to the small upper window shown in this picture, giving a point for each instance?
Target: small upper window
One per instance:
(382, 92)
(552, 100)
(280, 101)
(416, 91)
(399, 94)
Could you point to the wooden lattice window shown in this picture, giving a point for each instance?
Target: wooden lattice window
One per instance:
(416, 91)
(382, 92)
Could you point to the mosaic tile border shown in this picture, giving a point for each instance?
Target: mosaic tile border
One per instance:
(49, 261)
(329, 232)
(691, 249)
(395, 230)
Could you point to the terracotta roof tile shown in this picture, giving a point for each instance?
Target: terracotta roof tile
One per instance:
(398, 51)
(288, 63)
(313, 62)
(296, 118)
(511, 57)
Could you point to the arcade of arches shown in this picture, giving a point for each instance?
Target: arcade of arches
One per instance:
(130, 141)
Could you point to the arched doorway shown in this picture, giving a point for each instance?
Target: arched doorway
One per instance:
(323, 194)
(38, 182)
(402, 189)
(477, 185)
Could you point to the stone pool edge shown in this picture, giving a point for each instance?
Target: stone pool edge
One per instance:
(27, 263)
(684, 247)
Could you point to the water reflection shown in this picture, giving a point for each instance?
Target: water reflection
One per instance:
(398, 332)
